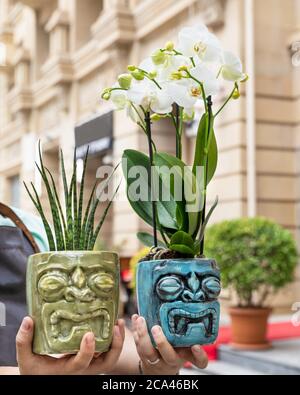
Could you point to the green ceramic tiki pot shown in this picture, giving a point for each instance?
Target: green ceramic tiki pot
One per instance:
(70, 294)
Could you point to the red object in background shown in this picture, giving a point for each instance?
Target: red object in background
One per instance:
(276, 331)
(126, 275)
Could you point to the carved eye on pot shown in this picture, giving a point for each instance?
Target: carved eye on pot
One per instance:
(212, 287)
(52, 286)
(169, 288)
(103, 283)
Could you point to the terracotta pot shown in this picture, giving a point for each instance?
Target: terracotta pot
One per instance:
(181, 295)
(70, 294)
(249, 328)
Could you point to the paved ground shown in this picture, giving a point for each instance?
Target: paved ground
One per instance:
(283, 358)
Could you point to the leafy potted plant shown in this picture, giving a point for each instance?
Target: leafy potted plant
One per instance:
(72, 289)
(177, 286)
(257, 258)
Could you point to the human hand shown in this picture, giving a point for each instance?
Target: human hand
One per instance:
(85, 362)
(165, 360)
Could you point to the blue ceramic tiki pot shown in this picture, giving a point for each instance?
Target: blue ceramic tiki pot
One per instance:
(181, 296)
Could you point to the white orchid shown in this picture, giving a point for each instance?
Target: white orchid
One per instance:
(232, 68)
(186, 74)
(148, 95)
(198, 42)
(165, 70)
(187, 91)
(119, 97)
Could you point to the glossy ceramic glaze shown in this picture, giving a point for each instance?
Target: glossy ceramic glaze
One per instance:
(182, 297)
(70, 294)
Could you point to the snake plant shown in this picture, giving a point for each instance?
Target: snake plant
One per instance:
(74, 228)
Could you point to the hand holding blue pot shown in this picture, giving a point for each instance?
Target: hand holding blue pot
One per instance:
(164, 359)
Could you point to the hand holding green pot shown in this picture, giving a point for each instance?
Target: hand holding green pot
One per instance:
(85, 362)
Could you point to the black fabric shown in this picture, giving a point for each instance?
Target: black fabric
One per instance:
(14, 252)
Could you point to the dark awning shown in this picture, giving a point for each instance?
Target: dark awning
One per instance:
(96, 133)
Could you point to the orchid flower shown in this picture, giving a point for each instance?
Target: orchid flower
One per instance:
(232, 68)
(187, 91)
(165, 70)
(148, 95)
(199, 42)
(119, 97)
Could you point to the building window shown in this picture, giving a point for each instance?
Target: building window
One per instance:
(15, 191)
(42, 44)
(87, 13)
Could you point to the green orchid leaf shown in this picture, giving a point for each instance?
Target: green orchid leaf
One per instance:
(148, 240)
(182, 238)
(212, 158)
(166, 210)
(183, 243)
(183, 176)
(200, 156)
(200, 143)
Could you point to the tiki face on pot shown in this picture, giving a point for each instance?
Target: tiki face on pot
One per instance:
(72, 294)
(182, 298)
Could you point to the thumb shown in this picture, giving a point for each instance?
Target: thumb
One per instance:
(24, 341)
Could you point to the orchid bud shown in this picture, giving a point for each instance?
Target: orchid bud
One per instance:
(152, 75)
(183, 68)
(170, 46)
(106, 94)
(125, 81)
(176, 75)
(138, 75)
(246, 78)
(131, 68)
(236, 94)
(188, 117)
(158, 57)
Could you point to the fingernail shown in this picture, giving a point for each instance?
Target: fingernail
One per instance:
(26, 324)
(134, 317)
(198, 349)
(90, 338)
(156, 331)
(121, 322)
(141, 322)
(117, 331)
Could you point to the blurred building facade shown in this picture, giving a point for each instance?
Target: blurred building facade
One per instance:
(57, 55)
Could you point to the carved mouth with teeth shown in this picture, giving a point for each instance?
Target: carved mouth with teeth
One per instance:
(65, 325)
(68, 322)
(182, 321)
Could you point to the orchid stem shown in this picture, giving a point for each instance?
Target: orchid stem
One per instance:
(177, 110)
(154, 206)
(225, 103)
(210, 120)
(202, 90)
(178, 123)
